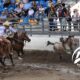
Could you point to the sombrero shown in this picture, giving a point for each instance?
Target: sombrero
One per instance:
(6, 23)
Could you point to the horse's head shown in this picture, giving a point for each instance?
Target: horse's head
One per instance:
(25, 37)
(61, 39)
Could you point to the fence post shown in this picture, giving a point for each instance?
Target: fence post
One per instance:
(30, 29)
(49, 32)
(23, 27)
(42, 23)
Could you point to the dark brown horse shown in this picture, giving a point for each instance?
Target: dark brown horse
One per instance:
(66, 45)
(18, 42)
(5, 52)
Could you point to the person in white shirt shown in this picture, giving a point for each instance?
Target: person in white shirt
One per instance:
(12, 30)
(41, 9)
(75, 18)
(31, 13)
(2, 30)
(41, 12)
(3, 37)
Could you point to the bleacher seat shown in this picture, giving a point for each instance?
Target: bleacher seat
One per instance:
(1, 7)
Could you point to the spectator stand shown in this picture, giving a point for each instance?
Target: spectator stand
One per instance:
(1, 7)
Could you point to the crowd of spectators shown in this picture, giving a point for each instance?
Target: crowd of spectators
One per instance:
(14, 11)
(66, 20)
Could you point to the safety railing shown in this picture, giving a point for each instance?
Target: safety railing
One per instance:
(43, 27)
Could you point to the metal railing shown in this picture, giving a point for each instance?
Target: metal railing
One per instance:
(44, 28)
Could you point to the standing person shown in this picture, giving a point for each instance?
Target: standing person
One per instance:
(75, 18)
(60, 15)
(69, 19)
(48, 8)
(41, 12)
(51, 17)
(34, 6)
(64, 14)
(31, 13)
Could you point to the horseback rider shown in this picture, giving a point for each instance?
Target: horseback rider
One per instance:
(10, 30)
(3, 38)
(3, 33)
(6, 47)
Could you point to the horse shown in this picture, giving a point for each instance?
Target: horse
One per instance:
(5, 52)
(66, 45)
(18, 42)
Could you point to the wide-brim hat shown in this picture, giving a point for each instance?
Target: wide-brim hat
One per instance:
(6, 23)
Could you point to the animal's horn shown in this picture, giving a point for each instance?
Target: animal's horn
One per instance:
(48, 42)
(61, 39)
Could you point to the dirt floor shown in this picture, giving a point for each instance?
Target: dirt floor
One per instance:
(41, 65)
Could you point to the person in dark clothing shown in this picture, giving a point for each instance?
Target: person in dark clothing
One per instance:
(69, 19)
(52, 17)
(64, 15)
(34, 6)
(7, 3)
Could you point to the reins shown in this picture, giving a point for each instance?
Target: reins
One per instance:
(17, 40)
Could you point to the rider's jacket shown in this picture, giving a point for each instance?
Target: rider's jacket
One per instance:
(2, 30)
(10, 31)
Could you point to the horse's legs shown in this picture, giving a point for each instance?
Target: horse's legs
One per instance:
(2, 62)
(18, 52)
(19, 56)
(71, 50)
(10, 55)
(4, 59)
(22, 51)
(60, 57)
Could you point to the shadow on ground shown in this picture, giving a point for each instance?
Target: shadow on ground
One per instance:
(45, 57)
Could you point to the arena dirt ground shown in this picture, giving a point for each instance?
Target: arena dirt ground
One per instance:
(41, 65)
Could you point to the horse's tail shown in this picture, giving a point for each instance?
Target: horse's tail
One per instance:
(49, 43)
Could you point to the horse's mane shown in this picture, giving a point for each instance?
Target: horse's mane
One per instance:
(17, 34)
